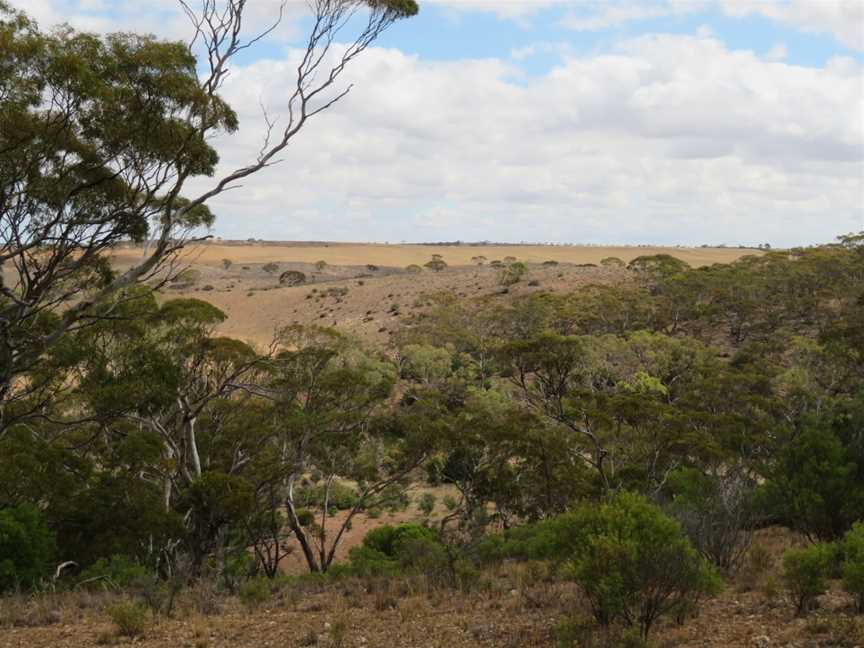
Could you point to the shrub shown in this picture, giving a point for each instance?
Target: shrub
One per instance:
(427, 503)
(660, 265)
(390, 550)
(717, 513)
(292, 278)
(270, 268)
(227, 263)
(118, 571)
(320, 265)
(852, 567)
(815, 487)
(612, 262)
(633, 563)
(26, 547)
(512, 273)
(129, 617)
(805, 574)
(254, 591)
(436, 265)
(413, 268)
(341, 497)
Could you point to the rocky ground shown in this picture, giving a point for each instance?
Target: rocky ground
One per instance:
(513, 606)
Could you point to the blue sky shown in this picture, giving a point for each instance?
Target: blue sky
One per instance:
(669, 121)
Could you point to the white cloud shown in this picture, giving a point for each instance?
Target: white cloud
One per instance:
(844, 19)
(669, 139)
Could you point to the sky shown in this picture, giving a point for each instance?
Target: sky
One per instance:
(675, 122)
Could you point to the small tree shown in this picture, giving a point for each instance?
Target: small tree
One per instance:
(633, 563)
(320, 265)
(270, 268)
(227, 263)
(717, 512)
(853, 563)
(512, 274)
(805, 573)
(26, 547)
(437, 264)
(292, 278)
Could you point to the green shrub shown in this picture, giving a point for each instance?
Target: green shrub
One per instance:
(118, 571)
(633, 563)
(805, 574)
(130, 618)
(341, 497)
(390, 550)
(815, 487)
(427, 503)
(852, 566)
(26, 547)
(254, 592)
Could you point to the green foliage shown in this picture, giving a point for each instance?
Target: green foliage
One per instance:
(292, 278)
(120, 572)
(612, 262)
(633, 563)
(427, 503)
(805, 574)
(852, 565)
(436, 264)
(340, 496)
(512, 273)
(657, 265)
(407, 548)
(130, 618)
(816, 485)
(26, 547)
(254, 592)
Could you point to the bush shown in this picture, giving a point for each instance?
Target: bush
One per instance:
(119, 571)
(716, 512)
(612, 262)
(292, 278)
(390, 550)
(805, 574)
(26, 547)
(254, 592)
(852, 566)
(341, 497)
(129, 617)
(427, 503)
(633, 563)
(815, 487)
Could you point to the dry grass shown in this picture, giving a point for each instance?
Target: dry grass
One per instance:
(517, 605)
(357, 254)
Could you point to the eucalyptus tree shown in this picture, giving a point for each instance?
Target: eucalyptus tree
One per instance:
(99, 138)
(330, 397)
